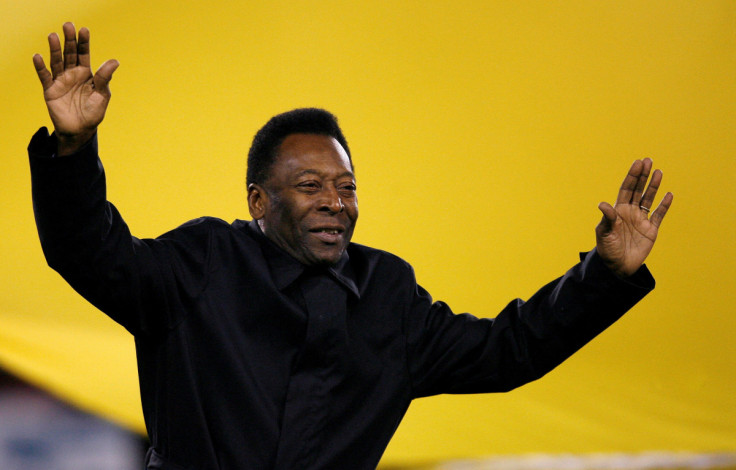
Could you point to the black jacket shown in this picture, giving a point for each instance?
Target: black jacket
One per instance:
(249, 360)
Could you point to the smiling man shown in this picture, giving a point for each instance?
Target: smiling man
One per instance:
(304, 200)
(277, 342)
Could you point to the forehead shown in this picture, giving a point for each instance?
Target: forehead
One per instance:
(320, 153)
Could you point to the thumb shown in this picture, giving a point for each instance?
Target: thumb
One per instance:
(103, 76)
(609, 217)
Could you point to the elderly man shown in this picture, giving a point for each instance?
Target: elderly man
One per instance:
(278, 343)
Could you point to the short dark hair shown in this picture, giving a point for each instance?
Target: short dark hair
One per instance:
(263, 150)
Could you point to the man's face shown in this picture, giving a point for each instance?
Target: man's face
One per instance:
(308, 205)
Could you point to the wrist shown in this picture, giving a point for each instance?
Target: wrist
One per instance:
(68, 144)
(621, 272)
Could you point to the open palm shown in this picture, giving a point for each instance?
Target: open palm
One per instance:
(76, 99)
(627, 232)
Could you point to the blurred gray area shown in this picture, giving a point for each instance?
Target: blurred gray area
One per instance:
(38, 432)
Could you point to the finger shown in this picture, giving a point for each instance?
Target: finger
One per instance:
(56, 60)
(662, 209)
(83, 48)
(651, 191)
(43, 73)
(641, 183)
(70, 46)
(628, 186)
(609, 217)
(103, 75)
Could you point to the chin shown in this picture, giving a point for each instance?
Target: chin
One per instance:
(325, 259)
(329, 262)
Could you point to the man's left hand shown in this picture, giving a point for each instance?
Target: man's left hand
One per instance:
(627, 232)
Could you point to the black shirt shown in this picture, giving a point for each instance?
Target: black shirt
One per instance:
(248, 359)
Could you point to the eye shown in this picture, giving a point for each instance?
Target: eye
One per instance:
(308, 186)
(348, 189)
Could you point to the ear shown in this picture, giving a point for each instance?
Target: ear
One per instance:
(257, 201)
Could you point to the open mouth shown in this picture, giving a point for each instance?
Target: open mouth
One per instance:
(328, 235)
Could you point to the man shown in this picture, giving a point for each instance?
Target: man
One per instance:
(278, 343)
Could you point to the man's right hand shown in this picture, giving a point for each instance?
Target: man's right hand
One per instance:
(75, 98)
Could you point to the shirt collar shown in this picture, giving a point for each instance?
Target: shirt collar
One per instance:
(285, 269)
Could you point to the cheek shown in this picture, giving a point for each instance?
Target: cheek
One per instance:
(352, 211)
(291, 219)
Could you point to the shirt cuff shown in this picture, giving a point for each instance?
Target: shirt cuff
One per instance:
(43, 145)
(641, 279)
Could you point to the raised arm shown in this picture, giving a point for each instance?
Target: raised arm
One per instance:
(627, 232)
(76, 99)
(138, 283)
(463, 354)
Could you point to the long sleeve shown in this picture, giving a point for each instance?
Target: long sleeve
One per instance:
(463, 354)
(142, 284)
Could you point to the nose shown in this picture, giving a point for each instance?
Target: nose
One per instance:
(331, 201)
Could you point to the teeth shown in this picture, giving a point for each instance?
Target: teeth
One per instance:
(334, 232)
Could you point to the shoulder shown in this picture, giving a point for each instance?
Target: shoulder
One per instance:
(205, 225)
(386, 266)
(376, 255)
(206, 240)
(208, 232)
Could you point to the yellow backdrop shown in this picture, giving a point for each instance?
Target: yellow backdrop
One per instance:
(484, 136)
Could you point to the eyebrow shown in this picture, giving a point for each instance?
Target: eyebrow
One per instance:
(315, 172)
